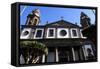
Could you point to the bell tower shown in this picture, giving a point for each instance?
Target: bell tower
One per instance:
(84, 20)
(33, 18)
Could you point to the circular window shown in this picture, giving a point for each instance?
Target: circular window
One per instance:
(26, 33)
(63, 32)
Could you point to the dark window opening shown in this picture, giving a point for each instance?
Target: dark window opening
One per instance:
(39, 33)
(65, 55)
(74, 32)
(26, 33)
(29, 23)
(79, 55)
(51, 32)
(35, 21)
(63, 32)
(51, 55)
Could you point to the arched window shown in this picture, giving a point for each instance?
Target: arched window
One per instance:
(35, 21)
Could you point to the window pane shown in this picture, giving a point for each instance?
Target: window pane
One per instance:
(51, 32)
(39, 33)
(74, 32)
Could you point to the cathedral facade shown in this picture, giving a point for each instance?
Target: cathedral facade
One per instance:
(64, 40)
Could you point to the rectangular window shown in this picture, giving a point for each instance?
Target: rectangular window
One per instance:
(74, 32)
(38, 34)
(51, 33)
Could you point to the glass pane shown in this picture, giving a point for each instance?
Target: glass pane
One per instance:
(74, 33)
(39, 33)
(51, 32)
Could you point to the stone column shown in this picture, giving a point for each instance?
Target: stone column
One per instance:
(73, 53)
(57, 59)
(43, 58)
(84, 53)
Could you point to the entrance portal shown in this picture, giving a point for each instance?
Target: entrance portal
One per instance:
(65, 54)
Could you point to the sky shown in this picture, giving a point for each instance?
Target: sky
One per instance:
(52, 14)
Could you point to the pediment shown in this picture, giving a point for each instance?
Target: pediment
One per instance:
(62, 23)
